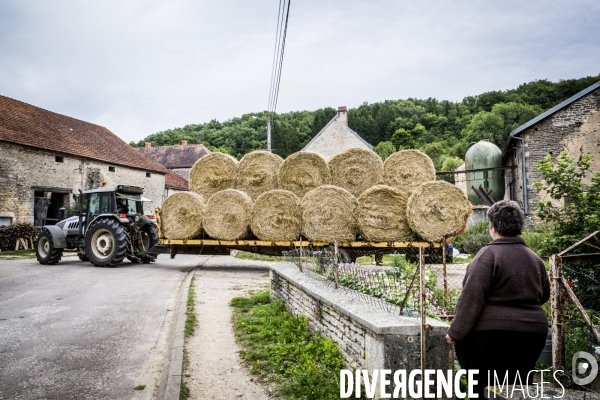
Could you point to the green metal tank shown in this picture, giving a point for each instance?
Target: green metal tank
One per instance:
(484, 154)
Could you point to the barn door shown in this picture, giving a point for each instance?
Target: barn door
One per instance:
(41, 205)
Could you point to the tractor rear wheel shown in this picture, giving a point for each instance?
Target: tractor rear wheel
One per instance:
(44, 249)
(106, 243)
(150, 237)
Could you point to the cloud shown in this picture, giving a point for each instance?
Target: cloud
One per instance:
(139, 67)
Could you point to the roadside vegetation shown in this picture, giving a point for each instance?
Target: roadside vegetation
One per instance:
(244, 255)
(16, 255)
(188, 330)
(280, 350)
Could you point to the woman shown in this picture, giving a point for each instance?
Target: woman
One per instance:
(499, 324)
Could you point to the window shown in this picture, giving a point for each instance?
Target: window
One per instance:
(148, 174)
(98, 203)
(59, 159)
(5, 221)
(111, 169)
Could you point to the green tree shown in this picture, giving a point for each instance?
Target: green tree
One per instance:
(573, 209)
(384, 150)
(435, 151)
(403, 139)
(451, 163)
(497, 124)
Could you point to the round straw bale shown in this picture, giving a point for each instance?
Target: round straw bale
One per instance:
(257, 173)
(437, 210)
(407, 169)
(227, 215)
(181, 215)
(212, 173)
(381, 215)
(329, 214)
(276, 215)
(356, 170)
(303, 171)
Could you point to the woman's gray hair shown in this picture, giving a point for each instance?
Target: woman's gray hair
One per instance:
(506, 217)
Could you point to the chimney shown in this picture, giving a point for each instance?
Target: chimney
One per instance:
(342, 115)
(148, 145)
(184, 142)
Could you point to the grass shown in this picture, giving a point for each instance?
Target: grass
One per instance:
(244, 255)
(190, 314)
(184, 391)
(139, 387)
(279, 349)
(13, 255)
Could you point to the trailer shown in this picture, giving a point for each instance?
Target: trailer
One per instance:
(276, 248)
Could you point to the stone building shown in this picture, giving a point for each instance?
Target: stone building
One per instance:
(46, 157)
(336, 137)
(178, 159)
(573, 125)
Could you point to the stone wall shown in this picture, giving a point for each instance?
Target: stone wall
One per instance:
(368, 337)
(575, 128)
(22, 168)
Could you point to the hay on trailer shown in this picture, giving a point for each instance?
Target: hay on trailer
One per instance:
(213, 173)
(227, 215)
(381, 215)
(257, 173)
(329, 214)
(303, 171)
(276, 215)
(356, 170)
(181, 215)
(437, 210)
(407, 169)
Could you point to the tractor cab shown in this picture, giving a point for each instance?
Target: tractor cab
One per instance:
(124, 201)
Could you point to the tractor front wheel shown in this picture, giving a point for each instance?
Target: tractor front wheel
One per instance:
(106, 243)
(44, 249)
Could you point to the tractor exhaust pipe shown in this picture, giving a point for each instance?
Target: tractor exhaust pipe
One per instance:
(80, 214)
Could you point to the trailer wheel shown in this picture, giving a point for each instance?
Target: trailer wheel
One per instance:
(44, 249)
(150, 237)
(106, 243)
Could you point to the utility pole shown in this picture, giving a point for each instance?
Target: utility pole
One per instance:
(269, 134)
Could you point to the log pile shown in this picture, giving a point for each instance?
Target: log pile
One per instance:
(17, 235)
(366, 200)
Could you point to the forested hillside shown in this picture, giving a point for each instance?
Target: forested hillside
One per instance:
(441, 128)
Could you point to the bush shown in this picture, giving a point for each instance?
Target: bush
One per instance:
(473, 239)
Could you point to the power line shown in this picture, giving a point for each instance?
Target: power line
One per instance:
(279, 49)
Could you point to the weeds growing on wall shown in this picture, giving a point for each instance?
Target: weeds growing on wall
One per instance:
(279, 349)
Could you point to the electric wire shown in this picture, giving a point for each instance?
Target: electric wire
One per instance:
(278, 52)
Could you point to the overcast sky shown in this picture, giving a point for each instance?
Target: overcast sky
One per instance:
(138, 67)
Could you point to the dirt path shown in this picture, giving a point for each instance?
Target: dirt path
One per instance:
(215, 370)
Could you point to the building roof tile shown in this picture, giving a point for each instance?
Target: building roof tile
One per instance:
(31, 126)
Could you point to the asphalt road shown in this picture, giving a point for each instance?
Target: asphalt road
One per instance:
(74, 331)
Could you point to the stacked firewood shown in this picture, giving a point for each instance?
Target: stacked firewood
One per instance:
(10, 236)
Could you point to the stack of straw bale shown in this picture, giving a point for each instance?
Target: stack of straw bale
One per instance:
(213, 173)
(276, 215)
(302, 172)
(437, 210)
(257, 173)
(227, 215)
(355, 193)
(182, 215)
(407, 169)
(329, 214)
(381, 215)
(356, 170)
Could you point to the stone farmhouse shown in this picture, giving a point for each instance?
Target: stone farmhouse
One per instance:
(179, 159)
(573, 125)
(336, 137)
(46, 157)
